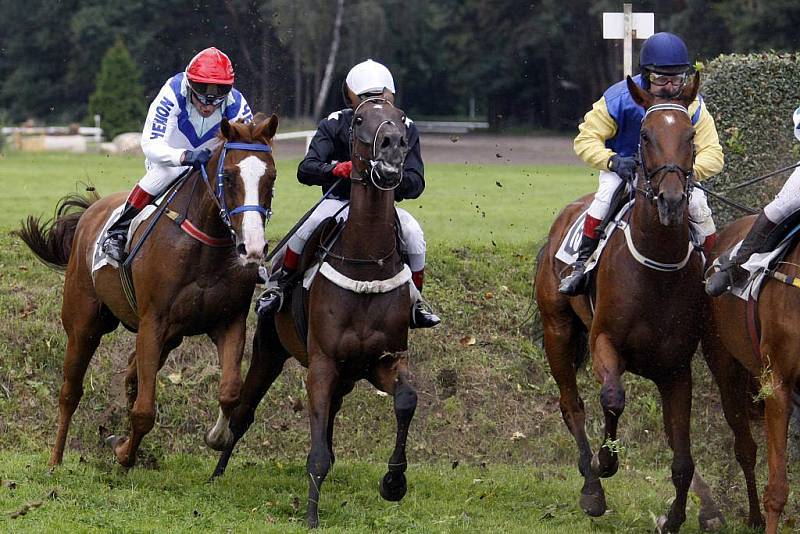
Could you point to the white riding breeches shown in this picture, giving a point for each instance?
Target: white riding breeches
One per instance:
(411, 231)
(700, 216)
(158, 177)
(787, 201)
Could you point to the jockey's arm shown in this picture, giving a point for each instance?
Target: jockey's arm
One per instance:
(597, 127)
(413, 169)
(316, 167)
(162, 119)
(708, 152)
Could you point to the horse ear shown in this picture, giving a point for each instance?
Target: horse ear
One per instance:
(225, 128)
(690, 92)
(266, 128)
(640, 96)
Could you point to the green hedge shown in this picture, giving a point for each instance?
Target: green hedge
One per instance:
(752, 98)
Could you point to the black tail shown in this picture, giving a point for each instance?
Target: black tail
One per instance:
(51, 240)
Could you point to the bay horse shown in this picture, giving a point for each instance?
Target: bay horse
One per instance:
(351, 335)
(182, 286)
(738, 355)
(647, 304)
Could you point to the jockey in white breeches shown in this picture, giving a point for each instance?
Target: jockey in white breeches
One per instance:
(179, 132)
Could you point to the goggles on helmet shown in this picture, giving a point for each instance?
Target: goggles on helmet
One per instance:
(210, 94)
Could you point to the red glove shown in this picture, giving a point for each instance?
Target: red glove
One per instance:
(342, 169)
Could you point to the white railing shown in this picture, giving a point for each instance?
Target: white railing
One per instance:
(308, 135)
(450, 126)
(89, 131)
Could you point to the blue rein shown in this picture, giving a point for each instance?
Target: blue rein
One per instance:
(219, 190)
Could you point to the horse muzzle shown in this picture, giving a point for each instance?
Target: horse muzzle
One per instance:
(671, 208)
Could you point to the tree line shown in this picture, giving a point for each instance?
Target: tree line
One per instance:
(531, 63)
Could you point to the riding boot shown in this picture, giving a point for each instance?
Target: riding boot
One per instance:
(730, 271)
(117, 235)
(574, 283)
(270, 301)
(422, 315)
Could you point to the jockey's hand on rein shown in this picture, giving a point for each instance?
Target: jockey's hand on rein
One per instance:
(196, 158)
(342, 169)
(624, 166)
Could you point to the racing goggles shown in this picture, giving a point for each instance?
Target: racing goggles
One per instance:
(660, 79)
(210, 98)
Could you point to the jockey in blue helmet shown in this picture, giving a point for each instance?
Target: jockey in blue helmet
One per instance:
(608, 141)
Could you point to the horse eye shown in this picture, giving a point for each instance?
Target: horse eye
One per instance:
(359, 120)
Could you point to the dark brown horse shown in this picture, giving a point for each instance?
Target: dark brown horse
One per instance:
(774, 361)
(646, 320)
(182, 286)
(350, 335)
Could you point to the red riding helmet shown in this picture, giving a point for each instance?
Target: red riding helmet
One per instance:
(210, 66)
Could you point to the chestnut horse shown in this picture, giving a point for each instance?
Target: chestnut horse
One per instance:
(646, 319)
(350, 335)
(774, 360)
(182, 286)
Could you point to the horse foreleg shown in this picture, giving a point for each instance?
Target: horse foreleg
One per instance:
(393, 377)
(266, 365)
(676, 399)
(561, 347)
(608, 369)
(733, 380)
(336, 404)
(778, 408)
(230, 347)
(323, 377)
(149, 347)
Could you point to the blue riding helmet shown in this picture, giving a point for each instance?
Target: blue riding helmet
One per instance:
(662, 50)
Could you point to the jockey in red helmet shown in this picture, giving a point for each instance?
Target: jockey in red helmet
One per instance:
(608, 140)
(179, 132)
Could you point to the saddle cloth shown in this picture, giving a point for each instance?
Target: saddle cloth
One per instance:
(758, 266)
(568, 250)
(100, 258)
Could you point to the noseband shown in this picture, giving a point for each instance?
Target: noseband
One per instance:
(218, 192)
(686, 174)
(372, 161)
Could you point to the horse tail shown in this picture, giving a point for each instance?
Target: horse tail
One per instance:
(51, 241)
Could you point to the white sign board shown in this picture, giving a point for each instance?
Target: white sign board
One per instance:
(642, 25)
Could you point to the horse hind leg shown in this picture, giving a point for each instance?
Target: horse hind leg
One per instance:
(85, 325)
(393, 377)
(266, 364)
(565, 350)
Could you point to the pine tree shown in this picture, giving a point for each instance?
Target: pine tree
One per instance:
(118, 96)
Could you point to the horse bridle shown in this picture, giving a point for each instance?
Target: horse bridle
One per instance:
(372, 161)
(667, 168)
(218, 192)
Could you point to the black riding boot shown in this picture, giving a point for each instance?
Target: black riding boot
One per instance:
(270, 301)
(117, 235)
(730, 272)
(573, 284)
(422, 316)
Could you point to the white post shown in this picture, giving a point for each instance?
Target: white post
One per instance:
(98, 136)
(627, 17)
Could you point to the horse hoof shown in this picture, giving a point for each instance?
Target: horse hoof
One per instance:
(711, 521)
(393, 486)
(593, 505)
(312, 520)
(661, 526)
(219, 442)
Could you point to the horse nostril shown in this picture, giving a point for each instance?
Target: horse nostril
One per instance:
(240, 248)
(385, 143)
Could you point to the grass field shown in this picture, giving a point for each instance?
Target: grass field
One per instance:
(487, 403)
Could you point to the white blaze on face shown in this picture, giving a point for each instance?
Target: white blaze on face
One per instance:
(251, 170)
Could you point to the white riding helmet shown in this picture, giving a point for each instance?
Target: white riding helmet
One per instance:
(369, 77)
(796, 119)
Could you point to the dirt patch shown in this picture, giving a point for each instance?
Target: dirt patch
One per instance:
(476, 149)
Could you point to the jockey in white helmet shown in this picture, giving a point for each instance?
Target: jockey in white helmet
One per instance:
(328, 159)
